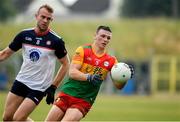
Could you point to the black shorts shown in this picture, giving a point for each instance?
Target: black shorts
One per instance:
(20, 89)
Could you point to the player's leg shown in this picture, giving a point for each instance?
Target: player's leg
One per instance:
(14, 99)
(12, 103)
(24, 110)
(77, 109)
(58, 109)
(32, 99)
(55, 114)
(72, 114)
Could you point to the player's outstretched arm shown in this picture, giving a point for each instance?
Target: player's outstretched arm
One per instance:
(57, 80)
(75, 73)
(4, 54)
(62, 70)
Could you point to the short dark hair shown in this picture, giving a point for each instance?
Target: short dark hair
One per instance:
(104, 28)
(47, 7)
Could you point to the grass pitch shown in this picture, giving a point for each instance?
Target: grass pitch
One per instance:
(121, 108)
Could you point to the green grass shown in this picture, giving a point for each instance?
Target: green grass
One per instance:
(136, 108)
(122, 108)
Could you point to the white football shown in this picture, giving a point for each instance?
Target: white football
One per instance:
(120, 72)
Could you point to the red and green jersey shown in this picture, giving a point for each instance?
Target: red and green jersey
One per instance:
(91, 63)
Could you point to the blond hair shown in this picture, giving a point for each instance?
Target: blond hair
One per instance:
(47, 7)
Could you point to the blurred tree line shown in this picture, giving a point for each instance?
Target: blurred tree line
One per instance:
(150, 8)
(130, 8)
(9, 8)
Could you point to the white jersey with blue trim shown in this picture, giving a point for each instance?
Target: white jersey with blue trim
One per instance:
(39, 57)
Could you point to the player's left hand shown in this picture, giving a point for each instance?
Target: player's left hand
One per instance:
(50, 94)
(132, 70)
(95, 79)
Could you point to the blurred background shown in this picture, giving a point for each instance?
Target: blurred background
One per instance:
(146, 34)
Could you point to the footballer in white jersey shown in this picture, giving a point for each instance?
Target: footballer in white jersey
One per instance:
(39, 57)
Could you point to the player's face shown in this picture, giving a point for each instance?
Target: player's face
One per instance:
(102, 38)
(43, 18)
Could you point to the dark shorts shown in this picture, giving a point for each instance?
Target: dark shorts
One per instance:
(20, 89)
(65, 101)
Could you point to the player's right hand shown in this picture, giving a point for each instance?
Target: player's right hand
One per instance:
(95, 79)
(50, 94)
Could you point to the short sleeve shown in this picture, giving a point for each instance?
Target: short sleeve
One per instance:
(78, 57)
(60, 50)
(16, 44)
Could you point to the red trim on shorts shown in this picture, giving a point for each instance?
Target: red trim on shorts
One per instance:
(65, 101)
